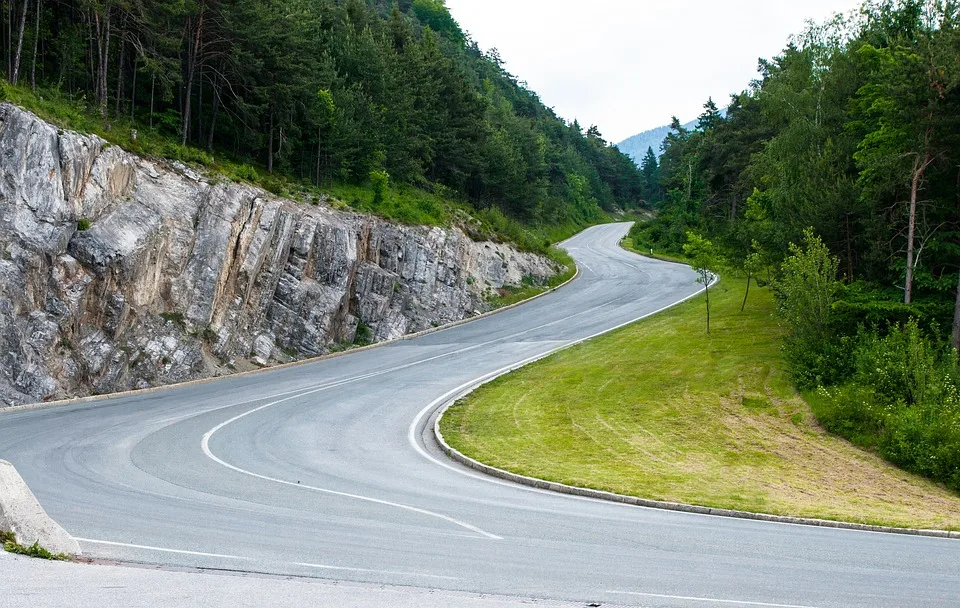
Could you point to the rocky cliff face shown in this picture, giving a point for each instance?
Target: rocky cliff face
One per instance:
(176, 276)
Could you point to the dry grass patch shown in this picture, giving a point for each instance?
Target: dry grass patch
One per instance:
(660, 410)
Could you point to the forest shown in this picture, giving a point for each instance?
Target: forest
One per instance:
(836, 177)
(384, 94)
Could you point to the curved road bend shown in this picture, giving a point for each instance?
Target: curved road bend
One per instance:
(317, 471)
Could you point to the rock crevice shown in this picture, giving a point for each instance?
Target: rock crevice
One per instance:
(178, 277)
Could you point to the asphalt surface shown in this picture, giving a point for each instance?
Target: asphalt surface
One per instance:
(327, 470)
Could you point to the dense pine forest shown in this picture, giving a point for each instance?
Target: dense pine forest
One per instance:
(836, 175)
(380, 93)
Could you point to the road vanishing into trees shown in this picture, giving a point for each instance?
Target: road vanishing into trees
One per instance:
(329, 470)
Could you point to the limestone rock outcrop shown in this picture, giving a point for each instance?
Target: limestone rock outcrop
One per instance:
(177, 276)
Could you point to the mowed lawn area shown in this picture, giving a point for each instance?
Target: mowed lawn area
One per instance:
(661, 410)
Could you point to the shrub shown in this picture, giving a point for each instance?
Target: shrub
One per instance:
(83, 224)
(901, 366)
(903, 400)
(364, 335)
(174, 317)
(805, 292)
(381, 186)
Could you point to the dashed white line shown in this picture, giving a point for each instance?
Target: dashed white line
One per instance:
(248, 559)
(710, 600)
(161, 549)
(394, 572)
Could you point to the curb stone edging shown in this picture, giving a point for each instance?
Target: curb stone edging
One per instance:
(560, 488)
(21, 514)
(542, 484)
(291, 364)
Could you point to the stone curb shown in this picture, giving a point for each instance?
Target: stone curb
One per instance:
(669, 506)
(199, 381)
(21, 513)
(552, 486)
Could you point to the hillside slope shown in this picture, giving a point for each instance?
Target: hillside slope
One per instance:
(118, 272)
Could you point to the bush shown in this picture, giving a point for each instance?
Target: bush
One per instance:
(381, 186)
(902, 366)
(903, 400)
(806, 291)
(83, 224)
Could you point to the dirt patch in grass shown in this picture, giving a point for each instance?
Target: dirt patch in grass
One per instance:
(660, 410)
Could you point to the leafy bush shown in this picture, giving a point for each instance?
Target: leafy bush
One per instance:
(381, 185)
(903, 400)
(806, 291)
(364, 334)
(83, 224)
(901, 366)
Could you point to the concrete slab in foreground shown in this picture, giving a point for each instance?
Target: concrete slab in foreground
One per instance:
(21, 514)
(42, 584)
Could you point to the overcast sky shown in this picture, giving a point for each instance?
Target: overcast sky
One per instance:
(629, 65)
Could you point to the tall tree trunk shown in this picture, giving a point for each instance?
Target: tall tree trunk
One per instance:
(747, 293)
(123, 53)
(192, 59)
(919, 167)
(199, 117)
(270, 147)
(133, 91)
(213, 114)
(956, 320)
(23, 28)
(153, 86)
(319, 151)
(102, 28)
(9, 39)
(36, 41)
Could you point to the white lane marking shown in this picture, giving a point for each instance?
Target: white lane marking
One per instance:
(205, 442)
(249, 559)
(161, 549)
(205, 445)
(709, 600)
(348, 569)
(412, 431)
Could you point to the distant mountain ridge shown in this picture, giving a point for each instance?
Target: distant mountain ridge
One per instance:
(636, 146)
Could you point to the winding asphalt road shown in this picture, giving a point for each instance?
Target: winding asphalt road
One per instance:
(328, 470)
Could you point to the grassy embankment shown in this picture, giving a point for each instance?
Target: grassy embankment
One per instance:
(660, 410)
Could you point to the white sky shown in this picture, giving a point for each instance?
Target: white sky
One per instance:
(629, 65)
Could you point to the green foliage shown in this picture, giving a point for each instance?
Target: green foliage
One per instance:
(703, 256)
(83, 224)
(902, 400)
(903, 366)
(10, 544)
(705, 260)
(851, 134)
(381, 183)
(434, 14)
(806, 291)
(364, 335)
(730, 429)
(302, 96)
(208, 335)
(176, 318)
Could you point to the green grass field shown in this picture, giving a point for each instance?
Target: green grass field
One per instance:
(662, 411)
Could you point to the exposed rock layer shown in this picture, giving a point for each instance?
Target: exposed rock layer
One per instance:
(180, 277)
